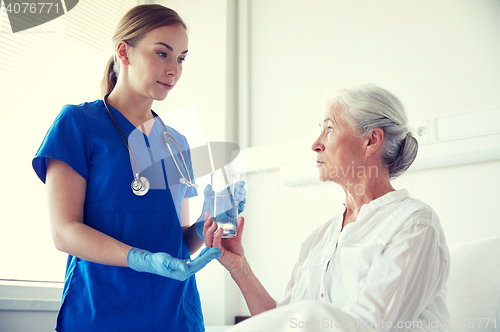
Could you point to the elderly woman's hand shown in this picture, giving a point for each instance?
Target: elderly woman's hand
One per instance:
(232, 257)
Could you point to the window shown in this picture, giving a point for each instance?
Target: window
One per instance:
(41, 70)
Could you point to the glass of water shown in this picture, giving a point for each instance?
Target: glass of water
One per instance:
(224, 204)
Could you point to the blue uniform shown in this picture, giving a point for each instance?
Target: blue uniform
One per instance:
(107, 298)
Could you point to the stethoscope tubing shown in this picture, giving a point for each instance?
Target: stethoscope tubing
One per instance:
(134, 162)
(138, 180)
(167, 136)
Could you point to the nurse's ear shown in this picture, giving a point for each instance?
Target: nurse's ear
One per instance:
(122, 50)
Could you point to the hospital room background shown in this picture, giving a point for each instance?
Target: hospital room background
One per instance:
(259, 73)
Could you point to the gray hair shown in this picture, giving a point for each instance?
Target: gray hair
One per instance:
(368, 107)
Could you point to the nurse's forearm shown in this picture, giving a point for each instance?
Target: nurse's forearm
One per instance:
(82, 241)
(193, 241)
(256, 296)
(66, 191)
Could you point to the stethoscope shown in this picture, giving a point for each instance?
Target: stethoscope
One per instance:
(140, 185)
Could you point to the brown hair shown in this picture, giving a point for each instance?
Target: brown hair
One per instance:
(132, 27)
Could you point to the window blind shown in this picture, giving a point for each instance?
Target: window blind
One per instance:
(41, 70)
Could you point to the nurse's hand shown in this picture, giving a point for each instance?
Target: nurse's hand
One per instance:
(241, 195)
(233, 255)
(165, 265)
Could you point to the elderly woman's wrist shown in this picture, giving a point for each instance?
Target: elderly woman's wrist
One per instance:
(240, 270)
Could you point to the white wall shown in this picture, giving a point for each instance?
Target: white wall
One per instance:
(203, 81)
(439, 57)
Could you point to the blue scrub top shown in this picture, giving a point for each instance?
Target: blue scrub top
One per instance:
(107, 298)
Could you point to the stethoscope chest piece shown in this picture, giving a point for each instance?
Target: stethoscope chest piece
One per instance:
(140, 186)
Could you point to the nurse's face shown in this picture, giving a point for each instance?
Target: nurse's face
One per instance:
(155, 63)
(340, 150)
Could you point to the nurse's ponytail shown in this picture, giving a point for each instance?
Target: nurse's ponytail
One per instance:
(132, 27)
(110, 77)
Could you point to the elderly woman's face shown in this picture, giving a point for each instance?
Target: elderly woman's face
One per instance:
(340, 152)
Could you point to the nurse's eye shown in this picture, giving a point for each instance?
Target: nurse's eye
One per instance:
(181, 60)
(162, 54)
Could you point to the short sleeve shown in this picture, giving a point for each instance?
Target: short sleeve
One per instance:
(67, 140)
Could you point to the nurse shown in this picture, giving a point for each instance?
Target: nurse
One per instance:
(129, 266)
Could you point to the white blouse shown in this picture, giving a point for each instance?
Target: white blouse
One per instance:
(389, 267)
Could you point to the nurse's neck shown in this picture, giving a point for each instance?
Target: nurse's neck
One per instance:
(135, 108)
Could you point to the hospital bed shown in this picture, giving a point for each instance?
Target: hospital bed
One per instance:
(473, 297)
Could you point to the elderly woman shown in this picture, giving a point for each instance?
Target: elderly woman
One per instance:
(383, 258)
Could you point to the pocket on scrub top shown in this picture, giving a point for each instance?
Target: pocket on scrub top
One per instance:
(355, 263)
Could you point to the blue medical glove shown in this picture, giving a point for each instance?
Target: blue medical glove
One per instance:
(240, 193)
(163, 264)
